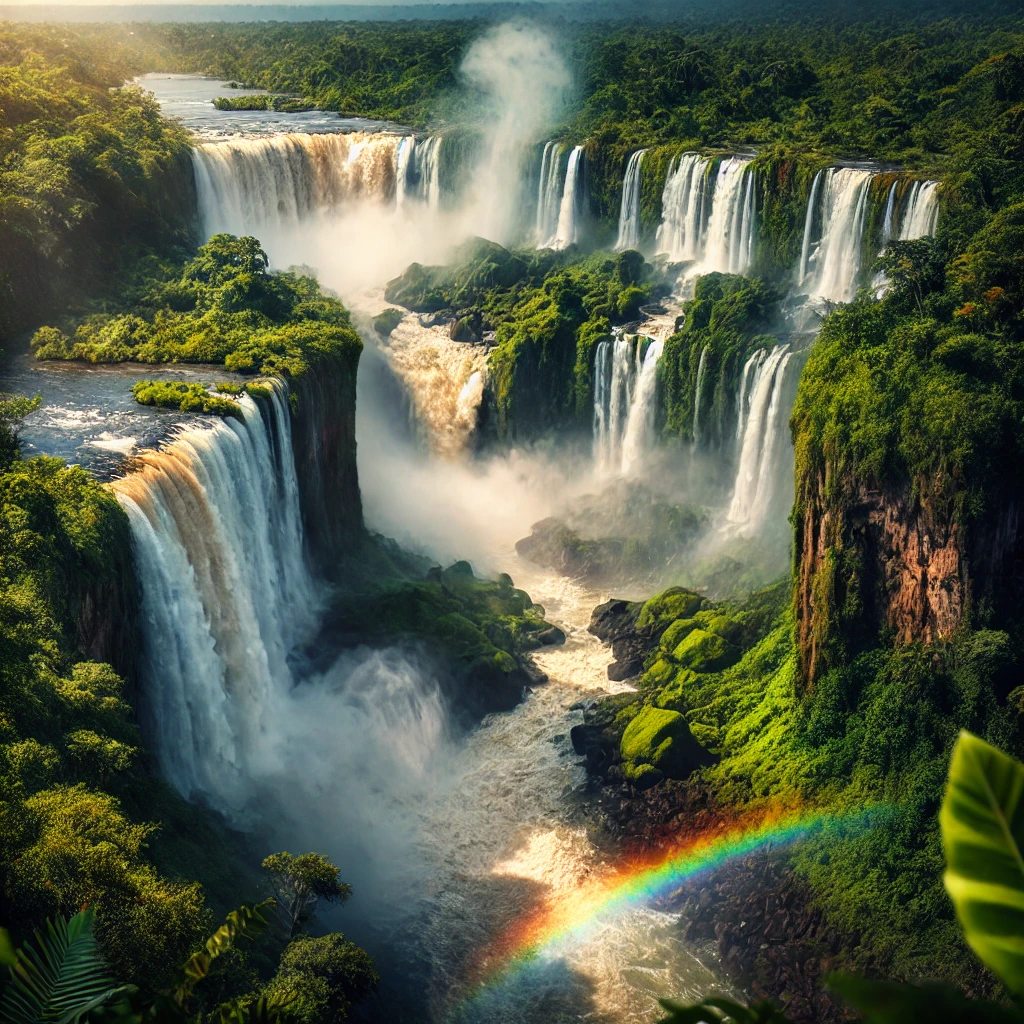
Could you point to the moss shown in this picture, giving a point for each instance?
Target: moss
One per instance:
(387, 320)
(188, 397)
(665, 608)
(704, 652)
(661, 739)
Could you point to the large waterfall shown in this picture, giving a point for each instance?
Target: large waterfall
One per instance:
(625, 400)
(549, 192)
(570, 208)
(831, 272)
(684, 205)
(250, 184)
(226, 591)
(760, 436)
(629, 211)
(708, 219)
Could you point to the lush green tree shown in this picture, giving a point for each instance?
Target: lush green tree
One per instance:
(300, 883)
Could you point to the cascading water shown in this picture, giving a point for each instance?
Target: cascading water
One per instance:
(921, 215)
(639, 436)
(755, 478)
(834, 268)
(615, 374)
(750, 370)
(405, 160)
(549, 192)
(697, 391)
(729, 245)
(226, 591)
(428, 171)
(684, 204)
(812, 206)
(708, 220)
(254, 185)
(629, 212)
(570, 208)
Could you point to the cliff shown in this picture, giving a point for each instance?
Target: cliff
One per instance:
(324, 440)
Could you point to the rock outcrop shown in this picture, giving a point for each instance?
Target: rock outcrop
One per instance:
(873, 560)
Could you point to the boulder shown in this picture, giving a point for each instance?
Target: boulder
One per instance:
(661, 739)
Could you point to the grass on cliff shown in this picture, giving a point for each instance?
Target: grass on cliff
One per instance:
(220, 306)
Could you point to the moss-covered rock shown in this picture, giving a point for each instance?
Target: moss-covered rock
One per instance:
(704, 652)
(387, 320)
(661, 739)
(665, 608)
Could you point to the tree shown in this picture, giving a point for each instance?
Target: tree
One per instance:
(914, 267)
(13, 409)
(300, 883)
(328, 974)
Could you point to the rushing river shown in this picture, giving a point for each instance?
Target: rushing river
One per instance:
(449, 839)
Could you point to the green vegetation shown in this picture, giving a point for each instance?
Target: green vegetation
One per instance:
(724, 324)
(184, 396)
(220, 306)
(88, 169)
(387, 320)
(282, 104)
(478, 628)
(549, 311)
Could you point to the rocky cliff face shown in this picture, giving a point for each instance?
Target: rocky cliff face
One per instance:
(873, 560)
(324, 439)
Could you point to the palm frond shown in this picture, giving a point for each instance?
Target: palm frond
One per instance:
(60, 977)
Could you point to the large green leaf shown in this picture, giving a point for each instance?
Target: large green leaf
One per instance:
(982, 821)
(60, 978)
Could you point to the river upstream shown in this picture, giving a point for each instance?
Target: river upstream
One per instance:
(450, 840)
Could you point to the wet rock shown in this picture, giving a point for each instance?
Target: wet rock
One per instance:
(552, 635)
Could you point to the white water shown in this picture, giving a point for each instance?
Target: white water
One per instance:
(570, 208)
(708, 220)
(639, 439)
(684, 202)
(614, 375)
(921, 215)
(812, 206)
(697, 392)
(753, 490)
(549, 192)
(629, 212)
(428, 169)
(834, 268)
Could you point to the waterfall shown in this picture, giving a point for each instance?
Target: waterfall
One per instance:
(428, 170)
(755, 477)
(812, 205)
(701, 366)
(406, 158)
(247, 186)
(568, 228)
(639, 436)
(226, 593)
(629, 212)
(549, 192)
(887, 220)
(921, 216)
(615, 375)
(837, 260)
(751, 366)
(684, 202)
(730, 233)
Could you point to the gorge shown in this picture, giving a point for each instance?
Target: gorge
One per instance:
(589, 530)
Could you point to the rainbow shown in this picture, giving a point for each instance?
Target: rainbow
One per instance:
(641, 878)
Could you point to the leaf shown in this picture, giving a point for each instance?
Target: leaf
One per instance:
(889, 1002)
(246, 922)
(982, 820)
(60, 978)
(7, 954)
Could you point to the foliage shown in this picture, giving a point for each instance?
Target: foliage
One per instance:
(61, 978)
(188, 397)
(220, 306)
(982, 828)
(300, 883)
(716, 1009)
(329, 974)
(87, 168)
